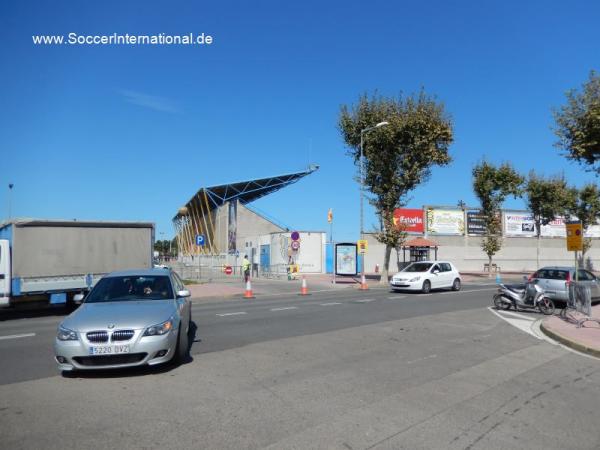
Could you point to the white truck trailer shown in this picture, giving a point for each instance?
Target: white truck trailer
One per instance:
(51, 260)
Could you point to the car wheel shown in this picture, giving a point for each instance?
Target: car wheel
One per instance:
(426, 287)
(456, 285)
(181, 351)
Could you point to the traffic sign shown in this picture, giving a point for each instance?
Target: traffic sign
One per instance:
(574, 237)
(295, 236)
(295, 245)
(200, 240)
(363, 246)
(330, 215)
(228, 270)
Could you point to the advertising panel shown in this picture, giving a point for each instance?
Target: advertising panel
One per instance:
(475, 223)
(412, 219)
(519, 224)
(592, 231)
(445, 221)
(232, 228)
(556, 228)
(346, 259)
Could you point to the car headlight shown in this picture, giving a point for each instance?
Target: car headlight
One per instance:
(64, 334)
(414, 279)
(160, 329)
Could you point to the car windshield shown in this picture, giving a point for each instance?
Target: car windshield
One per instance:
(551, 274)
(132, 287)
(418, 267)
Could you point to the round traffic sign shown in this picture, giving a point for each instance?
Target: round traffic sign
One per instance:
(295, 245)
(228, 270)
(295, 235)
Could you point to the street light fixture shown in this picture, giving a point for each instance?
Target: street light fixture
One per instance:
(361, 167)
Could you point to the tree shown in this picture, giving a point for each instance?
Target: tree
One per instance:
(492, 185)
(547, 198)
(399, 156)
(586, 207)
(578, 124)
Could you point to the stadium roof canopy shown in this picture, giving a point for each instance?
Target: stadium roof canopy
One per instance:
(246, 191)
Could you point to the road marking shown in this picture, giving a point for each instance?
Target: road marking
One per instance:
(519, 316)
(364, 300)
(421, 359)
(523, 323)
(396, 297)
(330, 304)
(16, 336)
(231, 314)
(284, 309)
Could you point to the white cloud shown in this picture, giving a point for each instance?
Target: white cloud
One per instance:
(150, 101)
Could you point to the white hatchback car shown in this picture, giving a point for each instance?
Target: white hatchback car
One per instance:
(427, 275)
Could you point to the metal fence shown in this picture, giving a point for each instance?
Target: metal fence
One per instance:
(580, 298)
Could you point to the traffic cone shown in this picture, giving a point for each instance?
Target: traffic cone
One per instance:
(304, 288)
(248, 293)
(363, 283)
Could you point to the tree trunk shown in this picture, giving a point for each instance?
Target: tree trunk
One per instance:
(386, 265)
(537, 265)
(539, 233)
(490, 266)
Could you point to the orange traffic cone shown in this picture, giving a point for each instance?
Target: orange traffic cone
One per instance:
(248, 293)
(304, 288)
(363, 283)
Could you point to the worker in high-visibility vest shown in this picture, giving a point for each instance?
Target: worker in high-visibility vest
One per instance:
(246, 268)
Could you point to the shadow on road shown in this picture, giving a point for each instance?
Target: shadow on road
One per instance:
(34, 311)
(138, 371)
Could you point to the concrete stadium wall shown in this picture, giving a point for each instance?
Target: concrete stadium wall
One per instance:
(517, 254)
(250, 225)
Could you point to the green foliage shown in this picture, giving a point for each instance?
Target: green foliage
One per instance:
(399, 156)
(586, 207)
(166, 247)
(578, 124)
(547, 198)
(492, 185)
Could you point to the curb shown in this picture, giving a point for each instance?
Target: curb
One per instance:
(570, 343)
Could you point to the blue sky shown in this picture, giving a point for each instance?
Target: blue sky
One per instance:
(131, 132)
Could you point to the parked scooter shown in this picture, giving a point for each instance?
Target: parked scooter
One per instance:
(527, 296)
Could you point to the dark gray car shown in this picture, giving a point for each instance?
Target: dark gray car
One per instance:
(555, 281)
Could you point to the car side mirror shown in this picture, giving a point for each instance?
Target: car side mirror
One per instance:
(183, 293)
(436, 271)
(78, 298)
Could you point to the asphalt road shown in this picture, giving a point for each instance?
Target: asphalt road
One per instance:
(343, 369)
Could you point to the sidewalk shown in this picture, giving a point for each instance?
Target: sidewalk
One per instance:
(585, 339)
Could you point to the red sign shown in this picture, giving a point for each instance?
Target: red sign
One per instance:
(295, 245)
(412, 219)
(228, 270)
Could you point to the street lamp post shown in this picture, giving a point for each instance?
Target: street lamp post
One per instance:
(362, 183)
(10, 188)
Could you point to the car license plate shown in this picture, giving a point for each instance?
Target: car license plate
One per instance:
(109, 350)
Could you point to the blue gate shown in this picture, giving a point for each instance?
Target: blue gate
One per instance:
(265, 257)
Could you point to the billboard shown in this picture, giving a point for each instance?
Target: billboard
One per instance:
(445, 221)
(475, 223)
(346, 259)
(519, 224)
(555, 228)
(412, 219)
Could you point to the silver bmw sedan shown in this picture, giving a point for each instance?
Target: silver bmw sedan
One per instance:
(130, 318)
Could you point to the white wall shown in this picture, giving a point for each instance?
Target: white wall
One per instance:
(517, 254)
